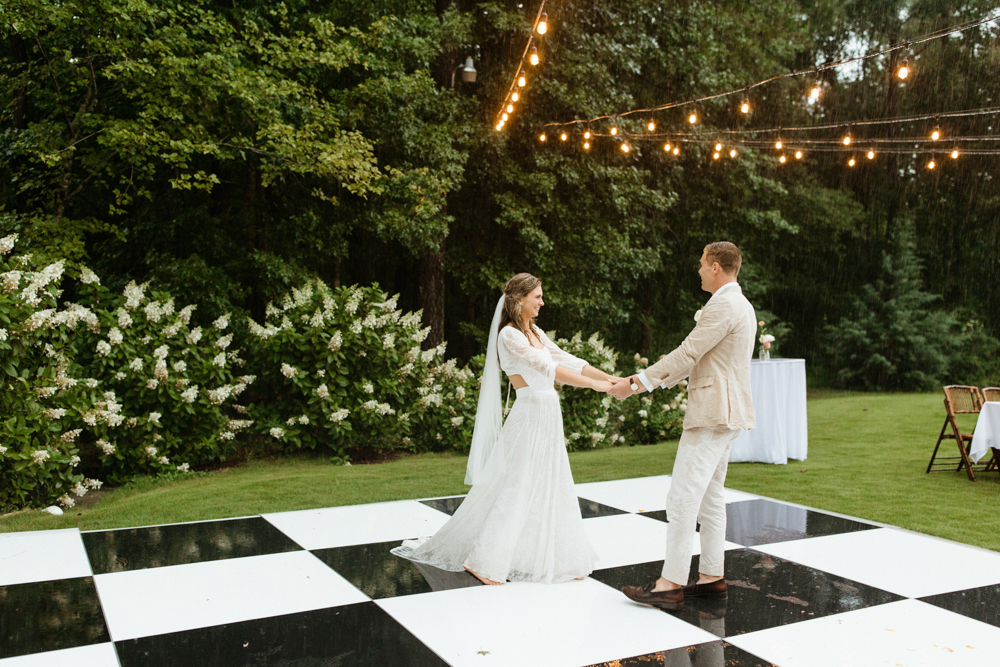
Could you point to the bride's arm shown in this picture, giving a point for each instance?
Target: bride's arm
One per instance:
(573, 363)
(574, 379)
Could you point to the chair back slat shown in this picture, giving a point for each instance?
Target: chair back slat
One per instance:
(991, 394)
(962, 399)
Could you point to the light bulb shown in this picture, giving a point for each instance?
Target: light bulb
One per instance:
(533, 58)
(745, 108)
(871, 155)
(693, 118)
(676, 151)
(543, 24)
(625, 148)
(936, 134)
(814, 93)
(954, 154)
(541, 137)
(777, 144)
(499, 127)
(847, 139)
(666, 147)
(850, 162)
(781, 159)
(715, 156)
(904, 71)
(586, 135)
(503, 116)
(514, 97)
(651, 126)
(510, 108)
(718, 147)
(930, 165)
(521, 81)
(563, 137)
(732, 153)
(614, 131)
(586, 145)
(798, 155)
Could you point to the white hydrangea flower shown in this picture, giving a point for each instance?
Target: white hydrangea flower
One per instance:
(154, 417)
(71, 436)
(134, 295)
(335, 341)
(303, 420)
(160, 370)
(643, 413)
(66, 501)
(152, 383)
(172, 330)
(339, 415)
(7, 243)
(322, 391)
(120, 376)
(227, 435)
(217, 396)
(161, 352)
(3, 450)
(93, 483)
(356, 327)
(367, 388)
(38, 456)
(621, 418)
(3, 334)
(388, 341)
(185, 315)
(105, 447)
(184, 467)
(55, 413)
(124, 319)
(219, 359)
(457, 421)
(190, 394)
(289, 371)
(74, 461)
(164, 460)
(222, 322)
(195, 336)
(150, 451)
(180, 366)
(277, 432)
(224, 342)
(154, 311)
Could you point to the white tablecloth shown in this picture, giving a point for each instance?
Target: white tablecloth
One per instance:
(987, 433)
(779, 404)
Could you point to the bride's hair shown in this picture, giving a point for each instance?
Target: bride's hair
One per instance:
(515, 291)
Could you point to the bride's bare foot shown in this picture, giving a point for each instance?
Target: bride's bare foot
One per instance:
(580, 578)
(488, 582)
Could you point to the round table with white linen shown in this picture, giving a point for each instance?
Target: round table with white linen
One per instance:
(778, 387)
(987, 433)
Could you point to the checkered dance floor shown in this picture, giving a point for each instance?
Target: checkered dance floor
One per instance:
(319, 588)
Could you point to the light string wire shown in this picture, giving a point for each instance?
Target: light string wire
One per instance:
(937, 34)
(520, 65)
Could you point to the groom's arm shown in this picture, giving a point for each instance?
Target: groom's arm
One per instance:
(708, 332)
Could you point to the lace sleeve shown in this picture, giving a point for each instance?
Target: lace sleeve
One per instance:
(518, 357)
(564, 359)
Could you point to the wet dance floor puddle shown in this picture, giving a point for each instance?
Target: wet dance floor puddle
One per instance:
(319, 587)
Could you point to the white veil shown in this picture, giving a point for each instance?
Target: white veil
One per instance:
(486, 458)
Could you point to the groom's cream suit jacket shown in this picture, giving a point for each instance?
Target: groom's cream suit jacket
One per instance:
(716, 355)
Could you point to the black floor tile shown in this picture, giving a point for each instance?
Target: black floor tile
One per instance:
(446, 505)
(591, 509)
(358, 634)
(982, 604)
(50, 615)
(709, 654)
(158, 546)
(764, 592)
(588, 508)
(754, 522)
(379, 574)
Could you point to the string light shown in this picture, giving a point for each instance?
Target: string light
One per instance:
(693, 118)
(904, 71)
(499, 126)
(732, 153)
(510, 108)
(651, 125)
(514, 97)
(930, 165)
(563, 137)
(814, 93)
(586, 135)
(718, 147)
(666, 147)
(715, 156)
(676, 151)
(781, 159)
(542, 138)
(871, 155)
(777, 144)
(522, 81)
(745, 107)
(625, 148)
(850, 163)
(936, 134)
(503, 117)
(533, 58)
(798, 155)
(954, 155)
(586, 145)
(543, 24)
(614, 131)
(847, 138)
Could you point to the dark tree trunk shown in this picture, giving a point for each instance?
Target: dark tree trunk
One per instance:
(430, 295)
(468, 315)
(646, 332)
(20, 110)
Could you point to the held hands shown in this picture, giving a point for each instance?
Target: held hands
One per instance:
(623, 389)
(603, 386)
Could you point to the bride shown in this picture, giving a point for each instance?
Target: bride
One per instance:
(521, 521)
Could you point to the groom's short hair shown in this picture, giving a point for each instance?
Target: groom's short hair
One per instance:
(726, 254)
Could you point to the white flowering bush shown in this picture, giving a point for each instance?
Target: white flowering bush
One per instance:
(342, 371)
(590, 419)
(650, 418)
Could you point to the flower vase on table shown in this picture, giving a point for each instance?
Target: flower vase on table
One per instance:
(765, 354)
(765, 341)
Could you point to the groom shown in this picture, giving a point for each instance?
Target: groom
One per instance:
(716, 355)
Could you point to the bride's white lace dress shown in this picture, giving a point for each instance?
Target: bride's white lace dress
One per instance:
(525, 525)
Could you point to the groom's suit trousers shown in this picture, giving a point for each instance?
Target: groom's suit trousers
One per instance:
(696, 496)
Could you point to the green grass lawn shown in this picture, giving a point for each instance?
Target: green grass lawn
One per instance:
(867, 456)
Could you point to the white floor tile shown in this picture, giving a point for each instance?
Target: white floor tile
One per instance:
(571, 624)
(642, 494)
(95, 655)
(894, 560)
(359, 524)
(42, 556)
(626, 539)
(159, 600)
(908, 633)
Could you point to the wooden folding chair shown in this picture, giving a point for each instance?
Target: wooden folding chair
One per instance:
(958, 400)
(991, 394)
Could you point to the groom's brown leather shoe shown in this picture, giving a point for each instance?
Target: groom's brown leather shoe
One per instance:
(672, 599)
(715, 589)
